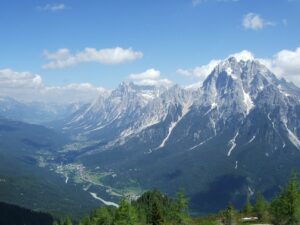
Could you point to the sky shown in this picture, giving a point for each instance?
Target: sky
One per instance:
(75, 45)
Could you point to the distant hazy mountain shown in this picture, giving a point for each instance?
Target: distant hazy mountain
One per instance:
(35, 112)
(238, 133)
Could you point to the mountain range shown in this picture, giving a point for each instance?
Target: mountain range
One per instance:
(237, 134)
(35, 112)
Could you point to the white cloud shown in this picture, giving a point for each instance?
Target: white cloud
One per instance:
(285, 63)
(243, 55)
(197, 2)
(25, 86)
(151, 74)
(52, 7)
(200, 72)
(10, 79)
(63, 58)
(149, 77)
(254, 21)
(194, 86)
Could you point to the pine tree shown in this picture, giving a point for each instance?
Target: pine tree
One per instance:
(102, 216)
(260, 208)
(67, 221)
(229, 215)
(151, 203)
(85, 221)
(156, 217)
(247, 209)
(180, 209)
(285, 208)
(126, 214)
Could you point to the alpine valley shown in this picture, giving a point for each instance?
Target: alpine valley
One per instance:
(235, 135)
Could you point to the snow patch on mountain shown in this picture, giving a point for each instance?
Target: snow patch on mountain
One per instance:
(97, 128)
(201, 143)
(148, 123)
(232, 143)
(269, 118)
(251, 192)
(247, 101)
(185, 110)
(283, 145)
(213, 106)
(229, 72)
(282, 91)
(293, 138)
(252, 139)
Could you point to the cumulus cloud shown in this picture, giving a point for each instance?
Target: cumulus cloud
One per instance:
(253, 21)
(200, 72)
(150, 74)
(52, 7)
(10, 79)
(243, 55)
(25, 86)
(149, 77)
(285, 63)
(63, 58)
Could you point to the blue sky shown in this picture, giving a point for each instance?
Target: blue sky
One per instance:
(169, 35)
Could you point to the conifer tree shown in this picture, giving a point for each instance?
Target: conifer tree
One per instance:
(67, 221)
(180, 208)
(247, 209)
(102, 216)
(85, 221)
(285, 208)
(156, 217)
(229, 215)
(126, 214)
(260, 208)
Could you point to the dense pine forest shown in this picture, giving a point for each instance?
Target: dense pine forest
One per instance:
(154, 208)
